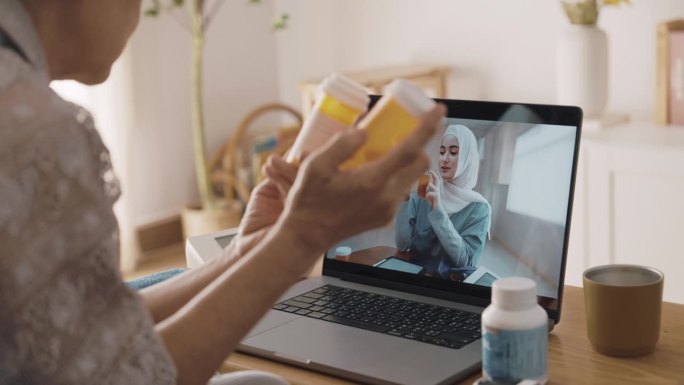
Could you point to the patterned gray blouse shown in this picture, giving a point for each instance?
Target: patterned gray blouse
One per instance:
(66, 317)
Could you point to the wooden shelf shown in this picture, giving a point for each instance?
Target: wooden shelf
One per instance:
(431, 78)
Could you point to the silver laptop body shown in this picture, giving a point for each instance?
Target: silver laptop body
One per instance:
(380, 358)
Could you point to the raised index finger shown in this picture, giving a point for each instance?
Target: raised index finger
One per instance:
(433, 176)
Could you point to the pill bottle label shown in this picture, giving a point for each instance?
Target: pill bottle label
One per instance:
(328, 117)
(510, 356)
(386, 125)
(338, 111)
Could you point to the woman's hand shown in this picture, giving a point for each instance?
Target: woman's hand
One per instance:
(434, 195)
(327, 205)
(263, 210)
(324, 206)
(266, 203)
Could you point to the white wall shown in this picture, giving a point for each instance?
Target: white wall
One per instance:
(240, 74)
(499, 49)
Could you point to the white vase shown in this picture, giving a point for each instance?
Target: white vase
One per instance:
(582, 69)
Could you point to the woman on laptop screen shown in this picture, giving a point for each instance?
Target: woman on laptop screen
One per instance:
(446, 230)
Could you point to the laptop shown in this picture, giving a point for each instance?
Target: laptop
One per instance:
(400, 312)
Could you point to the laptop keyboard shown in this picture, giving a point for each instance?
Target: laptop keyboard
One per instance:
(412, 320)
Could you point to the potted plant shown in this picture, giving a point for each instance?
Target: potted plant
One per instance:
(215, 213)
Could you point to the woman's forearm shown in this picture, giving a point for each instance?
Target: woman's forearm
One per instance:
(166, 298)
(208, 328)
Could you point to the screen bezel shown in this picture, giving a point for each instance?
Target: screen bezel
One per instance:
(470, 293)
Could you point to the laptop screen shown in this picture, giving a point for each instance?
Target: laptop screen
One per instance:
(495, 203)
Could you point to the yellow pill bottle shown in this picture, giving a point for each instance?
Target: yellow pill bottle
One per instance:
(340, 101)
(396, 115)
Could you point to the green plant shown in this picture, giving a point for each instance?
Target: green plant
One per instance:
(586, 12)
(197, 16)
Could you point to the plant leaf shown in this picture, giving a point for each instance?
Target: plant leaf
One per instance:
(154, 9)
(281, 22)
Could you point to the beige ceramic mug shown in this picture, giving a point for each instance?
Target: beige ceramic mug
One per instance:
(623, 305)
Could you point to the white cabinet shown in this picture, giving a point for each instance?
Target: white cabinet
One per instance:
(629, 203)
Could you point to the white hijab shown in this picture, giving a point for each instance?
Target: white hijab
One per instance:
(457, 192)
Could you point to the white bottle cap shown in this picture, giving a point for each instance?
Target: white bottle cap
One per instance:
(346, 91)
(514, 293)
(343, 251)
(412, 98)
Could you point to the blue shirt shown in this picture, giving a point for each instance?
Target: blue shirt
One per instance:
(438, 241)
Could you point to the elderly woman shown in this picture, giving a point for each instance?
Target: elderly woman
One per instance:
(446, 231)
(67, 318)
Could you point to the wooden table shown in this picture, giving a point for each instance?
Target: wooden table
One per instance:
(571, 358)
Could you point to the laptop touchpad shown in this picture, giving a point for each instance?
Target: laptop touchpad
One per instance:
(326, 343)
(272, 320)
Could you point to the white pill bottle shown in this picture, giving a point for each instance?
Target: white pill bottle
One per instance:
(514, 333)
(339, 102)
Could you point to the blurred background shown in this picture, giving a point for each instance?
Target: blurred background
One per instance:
(494, 50)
